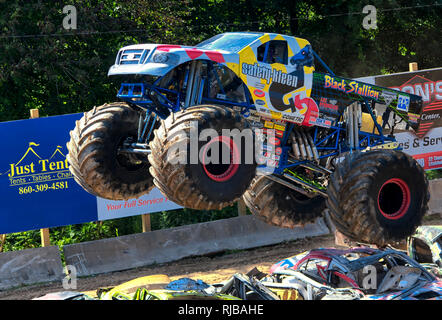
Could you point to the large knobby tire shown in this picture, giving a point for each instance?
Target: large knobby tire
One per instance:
(93, 154)
(198, 185)
(378, 197)
(281, 206)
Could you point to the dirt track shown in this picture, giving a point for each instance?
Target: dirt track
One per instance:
(210, 269)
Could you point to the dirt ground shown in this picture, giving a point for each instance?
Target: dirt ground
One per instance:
(211, 269)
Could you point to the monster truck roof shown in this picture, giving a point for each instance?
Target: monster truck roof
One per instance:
(230, 41)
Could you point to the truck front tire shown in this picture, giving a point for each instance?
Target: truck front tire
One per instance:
(94, 158)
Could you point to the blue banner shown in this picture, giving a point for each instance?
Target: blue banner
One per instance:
(36, 188)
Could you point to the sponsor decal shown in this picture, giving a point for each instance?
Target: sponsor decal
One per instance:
(264, 110)
(274, 141)
(267, 147)
(388, 97)
(320, 122)
(256, 124)
(292, 118)
(269, 74)
(259, 85)
(324, 104)
(279, 127)
(259, 93)
(279, 134)
(268, 124)
(260, 102)
(413, 117)
(389, 145)
(347, 86)
(403, 103)
(276, 115)
(278, 151)
(272, 163)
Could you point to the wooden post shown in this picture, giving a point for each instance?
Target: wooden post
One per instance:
(44, 233)
(2, 241)
(242, 209)
(145, 220)
(34, 113)
(412, 66)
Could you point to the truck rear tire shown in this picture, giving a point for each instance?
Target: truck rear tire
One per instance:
(199, 184)
(281, 206)
(93, 157)
(378, 197)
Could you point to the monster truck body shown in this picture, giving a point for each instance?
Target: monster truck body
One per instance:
(307, 121)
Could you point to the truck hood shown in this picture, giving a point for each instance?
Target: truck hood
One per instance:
(159, 59)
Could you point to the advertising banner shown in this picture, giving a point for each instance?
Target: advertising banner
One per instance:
(427, 150)
(37, 189)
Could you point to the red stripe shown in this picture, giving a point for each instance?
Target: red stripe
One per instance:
(215, 56)
(167, 47)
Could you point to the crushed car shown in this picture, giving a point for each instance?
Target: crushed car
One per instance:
(153, 287)
(364, 273)
(425, 246)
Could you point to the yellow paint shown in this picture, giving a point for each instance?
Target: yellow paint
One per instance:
(368, 124)
(302, 42)
(265, 38)
(276, 115)
(308, 70)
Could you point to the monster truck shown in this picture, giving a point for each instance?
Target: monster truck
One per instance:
(188, 119)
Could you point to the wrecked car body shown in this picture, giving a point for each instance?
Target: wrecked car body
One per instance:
(425, 246)
(368, 273)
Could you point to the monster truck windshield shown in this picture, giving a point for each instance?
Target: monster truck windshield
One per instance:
(232, 42)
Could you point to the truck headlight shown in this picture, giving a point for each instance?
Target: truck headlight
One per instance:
(160, 58)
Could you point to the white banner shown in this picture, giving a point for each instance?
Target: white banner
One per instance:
(155, 201)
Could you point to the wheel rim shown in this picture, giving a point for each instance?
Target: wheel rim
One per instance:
(394, 199)
(130, 162)
(220, 171)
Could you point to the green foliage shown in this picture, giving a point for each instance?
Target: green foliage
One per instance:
(434, 174)
(63, 71)
(176, 218)
(90, 231)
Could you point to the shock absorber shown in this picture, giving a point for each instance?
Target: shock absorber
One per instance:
(303, 146)
(352, 118)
